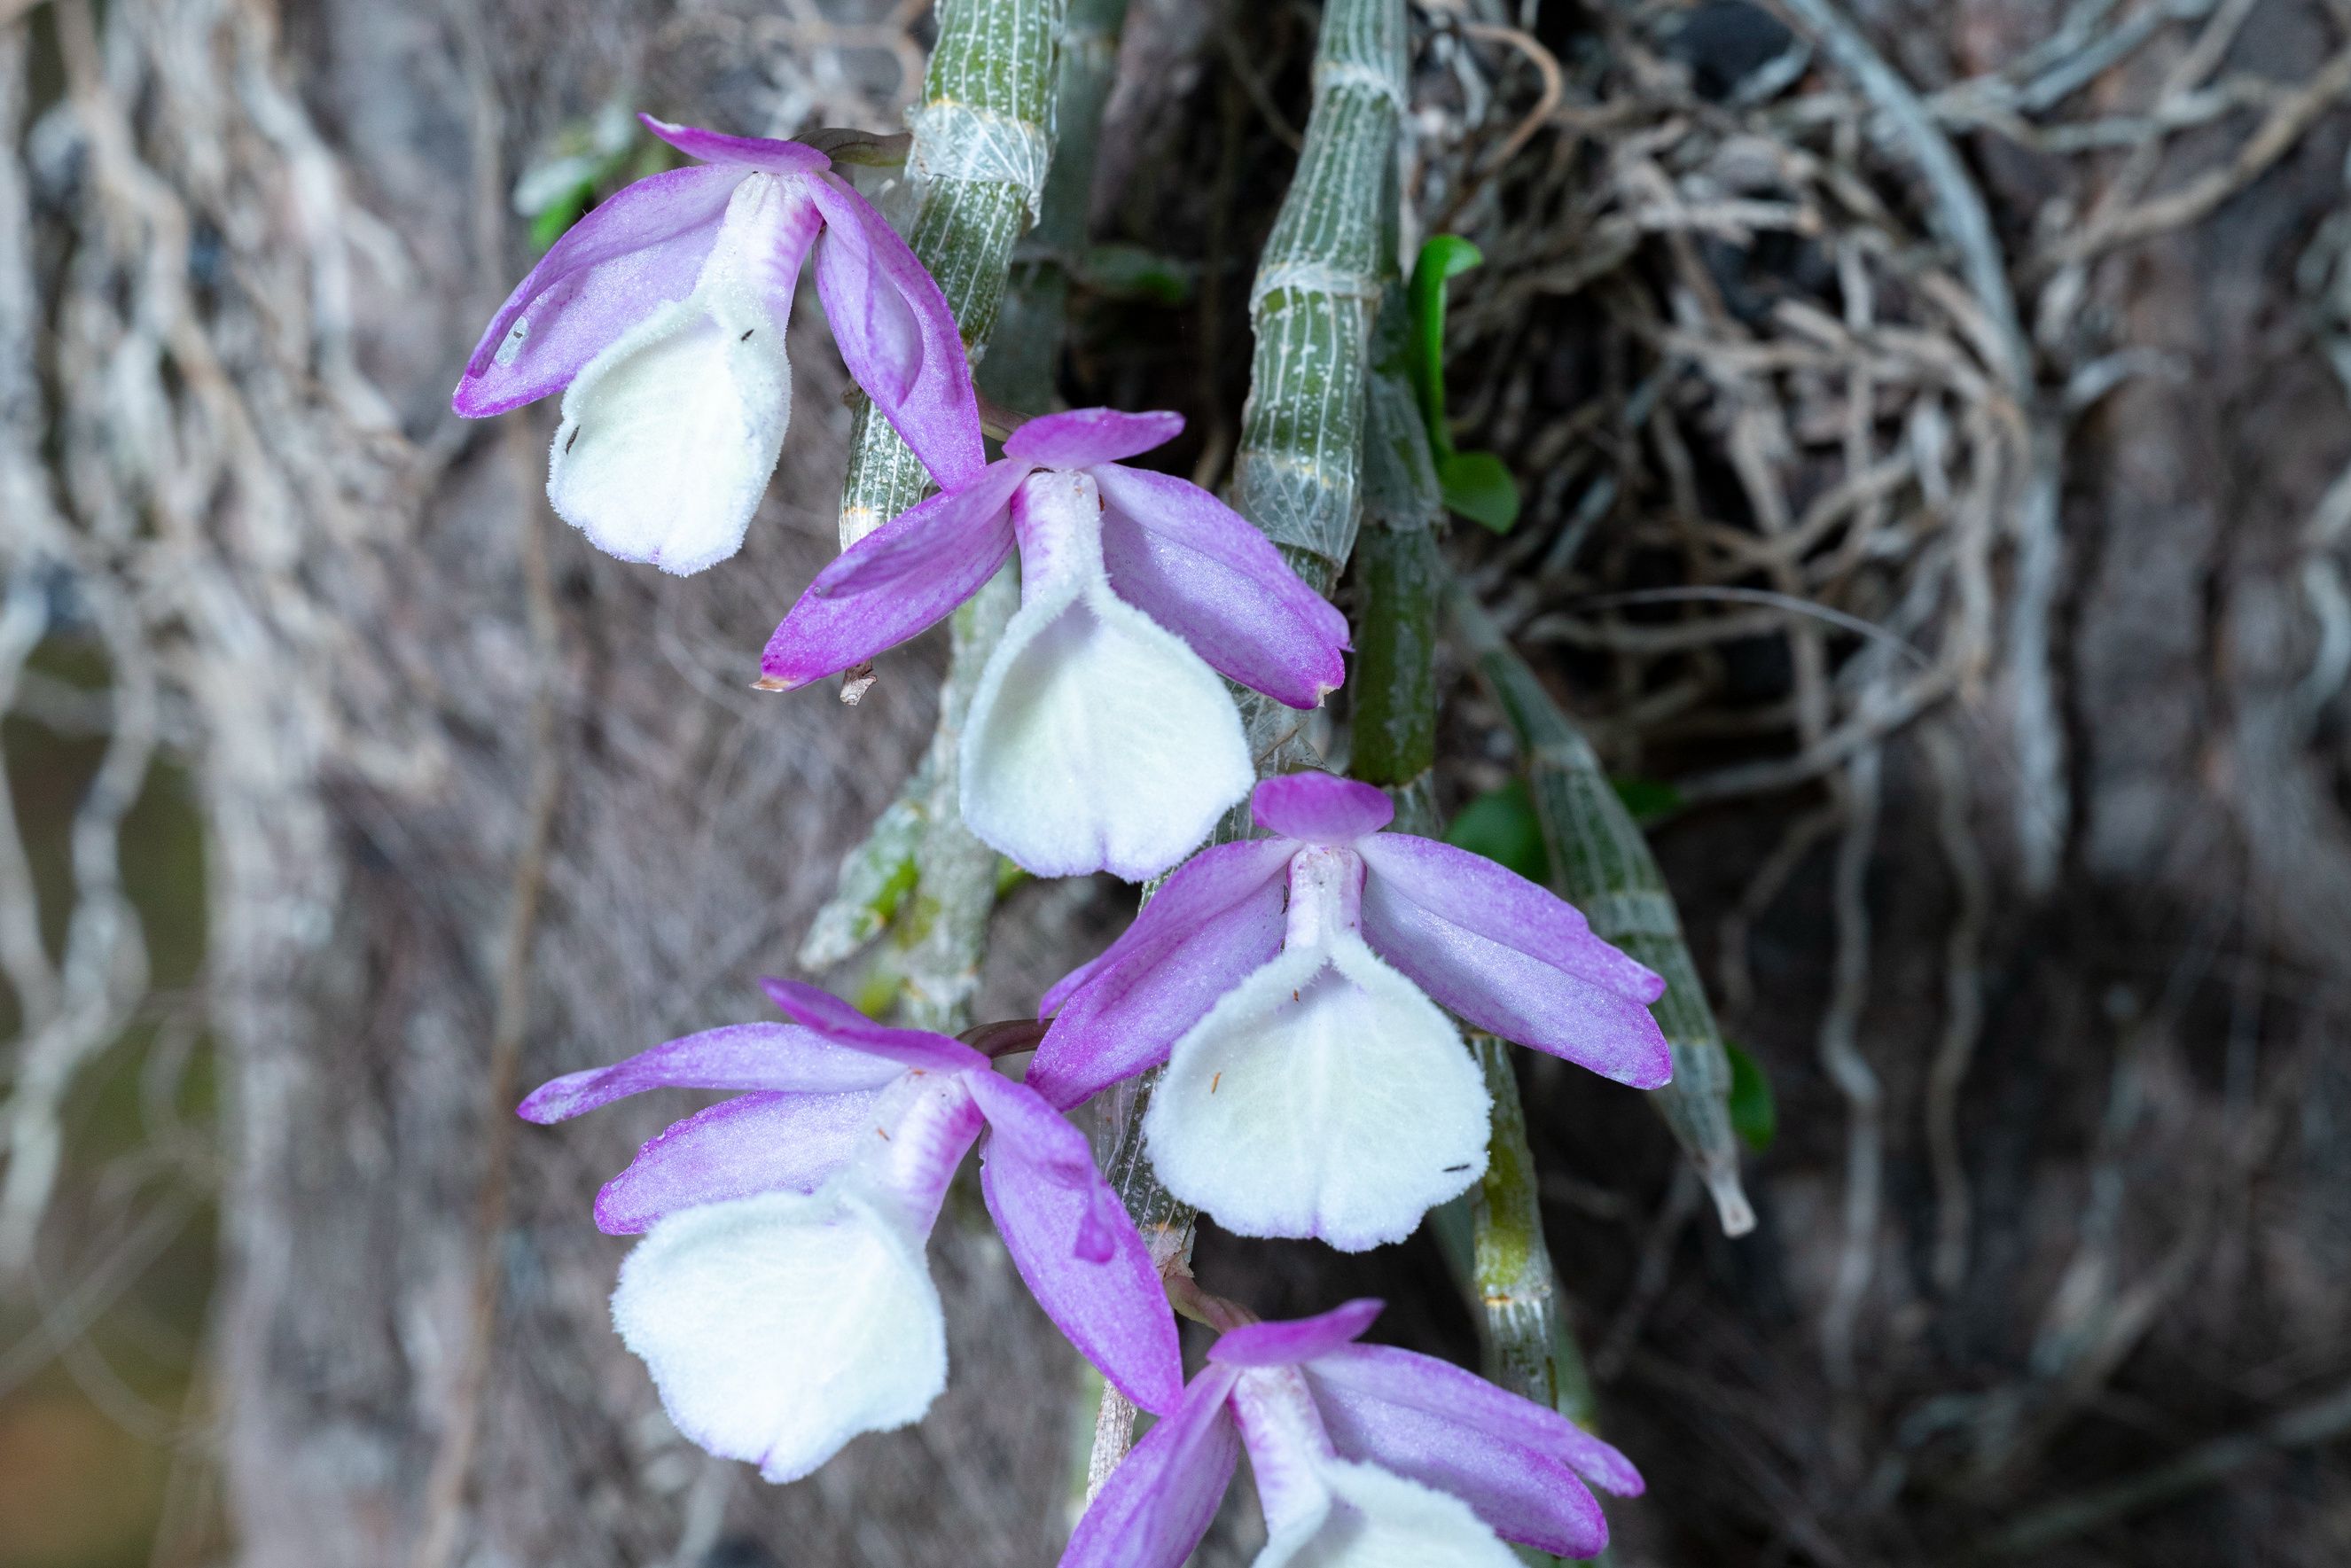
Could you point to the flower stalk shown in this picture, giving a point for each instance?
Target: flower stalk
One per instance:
(1298, 472)
(1602, 863)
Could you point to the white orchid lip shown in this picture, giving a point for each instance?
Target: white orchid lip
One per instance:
(778, 1327)
(1325, 1511)
(669, 436)
(1324, 1095)
(1097, 739)
(1373, 1518)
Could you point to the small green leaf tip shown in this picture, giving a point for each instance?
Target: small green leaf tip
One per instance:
(1441, 256)
(1474, 483)
(1754, 1112)
(1477, 486)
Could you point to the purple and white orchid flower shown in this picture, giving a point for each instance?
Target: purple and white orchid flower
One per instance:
(1365, 1456)
(1099, 738)
(661, 317)
(1313, 1087)
(780, 1297)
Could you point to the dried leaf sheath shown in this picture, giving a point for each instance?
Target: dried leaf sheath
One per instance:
(1318, 285)
(1602, 863)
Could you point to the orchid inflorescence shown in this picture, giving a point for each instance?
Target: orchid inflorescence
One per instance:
(1301, 988)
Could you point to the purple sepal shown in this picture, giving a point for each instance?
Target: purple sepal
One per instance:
(1523, 1467)
(899, 579)
(896, 334)
(1083, 437)
(759, 1142)
(1199, 569)
(1217, 918)
(772, 1056)
(1074, 1245)
(1163, 1497)
(837, 1021)
(1512, 993)
(1302, 1339)
(1521, 1495)
(1369, 1375)
(1318, 809)
(639, 249)
(1494, 902)
(749, 151)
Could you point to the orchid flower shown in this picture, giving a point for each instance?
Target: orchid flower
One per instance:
(661, 317)
(1365, 1456)
(1312, 1086)
(780, 1298)
(1099, 738)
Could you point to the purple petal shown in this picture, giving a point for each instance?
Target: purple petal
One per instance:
(837, 1021)
(639, 248)
(752, 152)
(1477, 894)
(1210, 883)
(1318, 809)
(1163, 1497)
(1377, 1377)
(1082, 437)
(904, 576)
(1075, 1247)
(1216, 922)
(1197, 567)
(777, 1056)
(1521, 1494)
(760, 1143)
(1511, 993)
(1287, 1343)
(896, 334)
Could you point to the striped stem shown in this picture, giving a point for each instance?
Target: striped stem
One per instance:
(983, 143)
(1018, 372)
(1318, 286)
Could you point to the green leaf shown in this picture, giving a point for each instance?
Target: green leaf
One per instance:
(1754, 1116)
(1502, 826)
(1648, 799)
(1441, 256)
(1477, 486)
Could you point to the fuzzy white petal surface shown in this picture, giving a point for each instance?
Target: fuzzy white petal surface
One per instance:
(1323, 1096)
(1379, 1519)
(670, 434)
(777, 1328)
(1098, 740)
